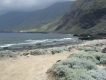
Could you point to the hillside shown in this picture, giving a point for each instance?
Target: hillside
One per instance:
(38, 20)
(84, 17)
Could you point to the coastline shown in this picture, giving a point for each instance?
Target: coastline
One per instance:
(34, 67)
(57, 48)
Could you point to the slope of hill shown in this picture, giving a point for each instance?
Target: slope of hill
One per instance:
(84, 17)
(34, 20)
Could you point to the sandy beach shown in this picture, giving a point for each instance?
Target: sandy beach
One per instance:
(35, 67)
(29, 68)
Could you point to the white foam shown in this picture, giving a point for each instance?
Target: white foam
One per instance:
(6, 45)
(47, 40)
(32, 42)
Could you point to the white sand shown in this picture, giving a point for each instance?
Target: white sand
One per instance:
(29, 68)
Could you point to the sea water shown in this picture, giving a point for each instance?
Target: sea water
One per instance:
(28, 40)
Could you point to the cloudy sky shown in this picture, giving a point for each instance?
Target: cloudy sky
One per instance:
(25, 5)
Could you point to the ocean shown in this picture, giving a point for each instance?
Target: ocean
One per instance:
(33, 40)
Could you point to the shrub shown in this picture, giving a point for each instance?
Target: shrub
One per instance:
(57, 50)
(61, 49)
(98, 58)
(72, 69)
(85, 48)
(37, 52)
(76, 63)
(76, 69)
(79, 66)
(98, 74)
(64, 73)
(104, 68)
(64, 48)
(7, 53)
(84, 55)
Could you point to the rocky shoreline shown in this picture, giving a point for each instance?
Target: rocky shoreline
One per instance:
(91, 36)
(91, 45)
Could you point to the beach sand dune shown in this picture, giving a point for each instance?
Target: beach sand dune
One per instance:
(29, 68)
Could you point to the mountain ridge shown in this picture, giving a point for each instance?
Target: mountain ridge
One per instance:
(23, 21)
(84, 17)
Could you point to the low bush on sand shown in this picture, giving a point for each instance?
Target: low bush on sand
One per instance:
(37, 52)
(98, 58)
(79, 66)
(7, 53)
(85, 48)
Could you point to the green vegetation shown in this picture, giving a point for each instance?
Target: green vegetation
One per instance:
(49, 50)
(84, 17)
(98, 58)
(60, 49)
(37, 52)
(85, 48)
(7, 53)
(45, 27)
(79, 66)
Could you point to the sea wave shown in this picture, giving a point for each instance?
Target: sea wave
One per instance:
(34, 43)
(47, 40)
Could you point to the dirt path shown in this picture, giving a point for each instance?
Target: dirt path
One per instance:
(28, 68)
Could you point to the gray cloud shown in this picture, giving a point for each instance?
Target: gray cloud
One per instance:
(25, 5)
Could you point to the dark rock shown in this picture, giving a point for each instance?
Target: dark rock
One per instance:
(13, 51)
(5, 48)
(104, 50)
(100, 36)
(104, 34)
(75, 35)
(86, 38)
(53, 52)
(25, 54)
(69, 48)
(58, 60)
(61, 44)
(30, 46)
(84, 35)
(54, 41)
(38, 44)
